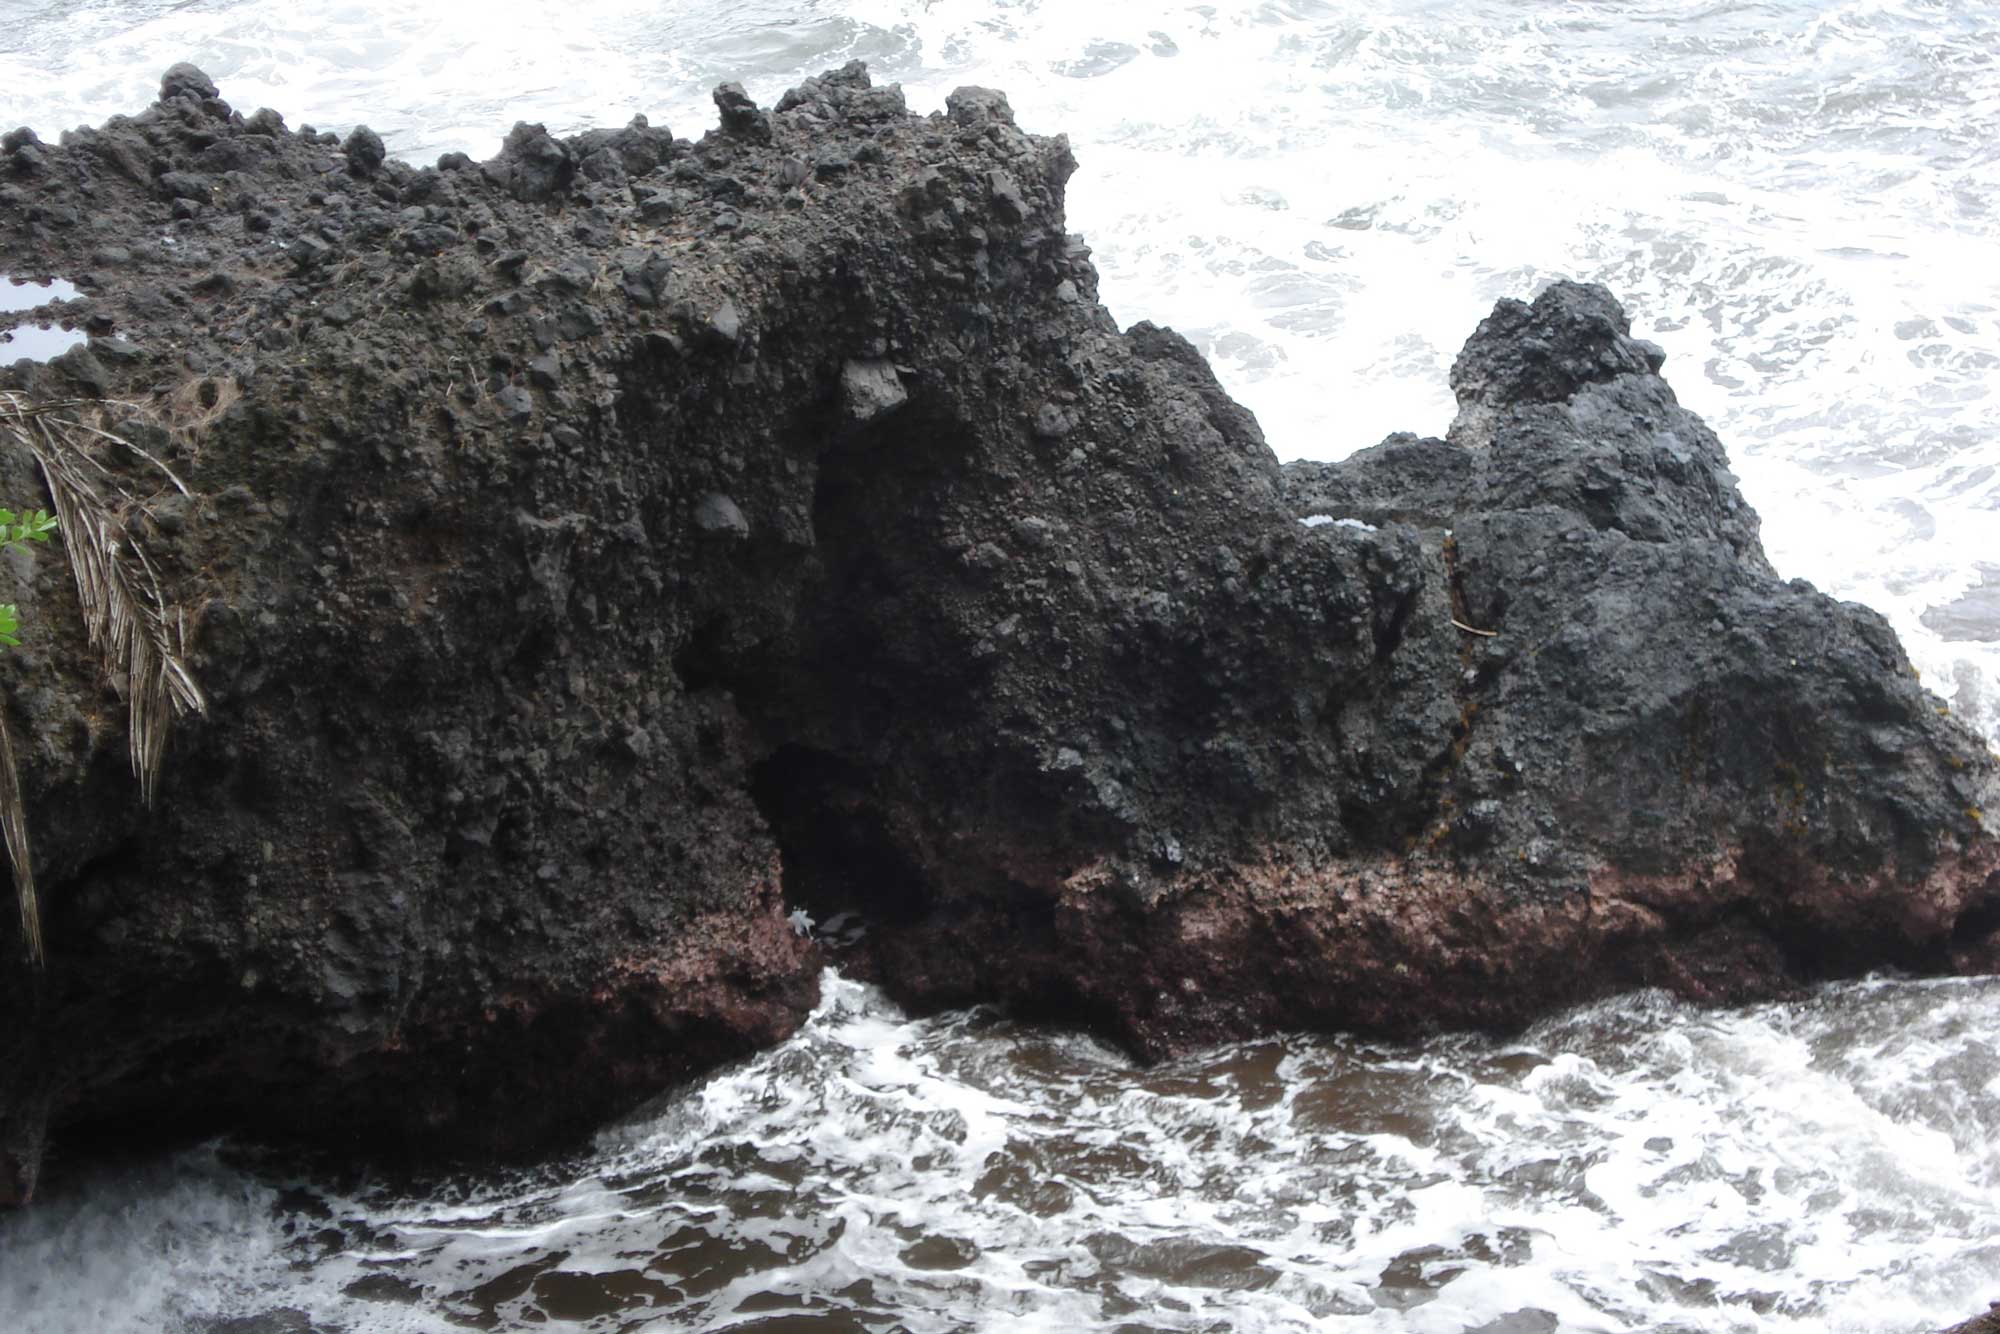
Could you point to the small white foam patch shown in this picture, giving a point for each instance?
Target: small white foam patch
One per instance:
(1323, 520)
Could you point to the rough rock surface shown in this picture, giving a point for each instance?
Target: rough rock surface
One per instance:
(1980, 1324)
(593, 543)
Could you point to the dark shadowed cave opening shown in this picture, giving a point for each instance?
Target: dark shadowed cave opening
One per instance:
(921, 848)
(861, 658)
(838, 853)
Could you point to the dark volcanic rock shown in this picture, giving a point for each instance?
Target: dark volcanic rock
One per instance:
(740, 116)
(587, 543)
(365, 151)
(184, 80)
(1983, 1324)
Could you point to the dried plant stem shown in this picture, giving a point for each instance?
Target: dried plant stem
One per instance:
(125, 611)
(14, 825)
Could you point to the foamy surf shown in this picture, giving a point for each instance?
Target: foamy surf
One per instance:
(1634, 1165)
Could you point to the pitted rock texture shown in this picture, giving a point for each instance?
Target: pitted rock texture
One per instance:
(600, 550)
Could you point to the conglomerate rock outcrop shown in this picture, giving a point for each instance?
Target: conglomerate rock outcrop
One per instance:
(597, 552)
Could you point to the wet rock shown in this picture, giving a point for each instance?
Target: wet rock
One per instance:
(1053, 422)
(1571, 337)
(544, 372)
(1008, 200)
(740, 115)
(516, 404)
(719, 516)
(186, 185)
(115, 351)
(533, 165)
(522, 737)
(185, 80)
(573, 276)
(871, 388)
(641, 147)
(725, 325)
(309, 252)
(792, 172)
(644, 277)
(1033, 533)
(973, 107)
(24, 151)
(365, 151)
(83, 368)
(1531, 1320)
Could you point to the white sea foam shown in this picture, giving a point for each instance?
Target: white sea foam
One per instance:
(1638, 1164)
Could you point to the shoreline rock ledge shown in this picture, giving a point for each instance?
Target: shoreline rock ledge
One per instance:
(598, 552)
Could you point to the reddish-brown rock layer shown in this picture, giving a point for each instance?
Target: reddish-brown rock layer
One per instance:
(1395, 945)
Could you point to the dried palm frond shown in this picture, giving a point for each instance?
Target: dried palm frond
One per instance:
(125, 611)
(126, 614)
(14, 825)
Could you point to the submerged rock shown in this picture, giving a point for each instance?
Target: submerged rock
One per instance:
(599, 554)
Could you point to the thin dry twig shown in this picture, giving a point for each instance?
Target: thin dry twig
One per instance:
(14, 825)
(1474, 630)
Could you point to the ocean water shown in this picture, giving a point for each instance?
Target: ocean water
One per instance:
(1799, 199)
(1639, 1165)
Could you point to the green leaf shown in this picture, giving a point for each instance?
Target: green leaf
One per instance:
(10, 624)
(17, 530)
